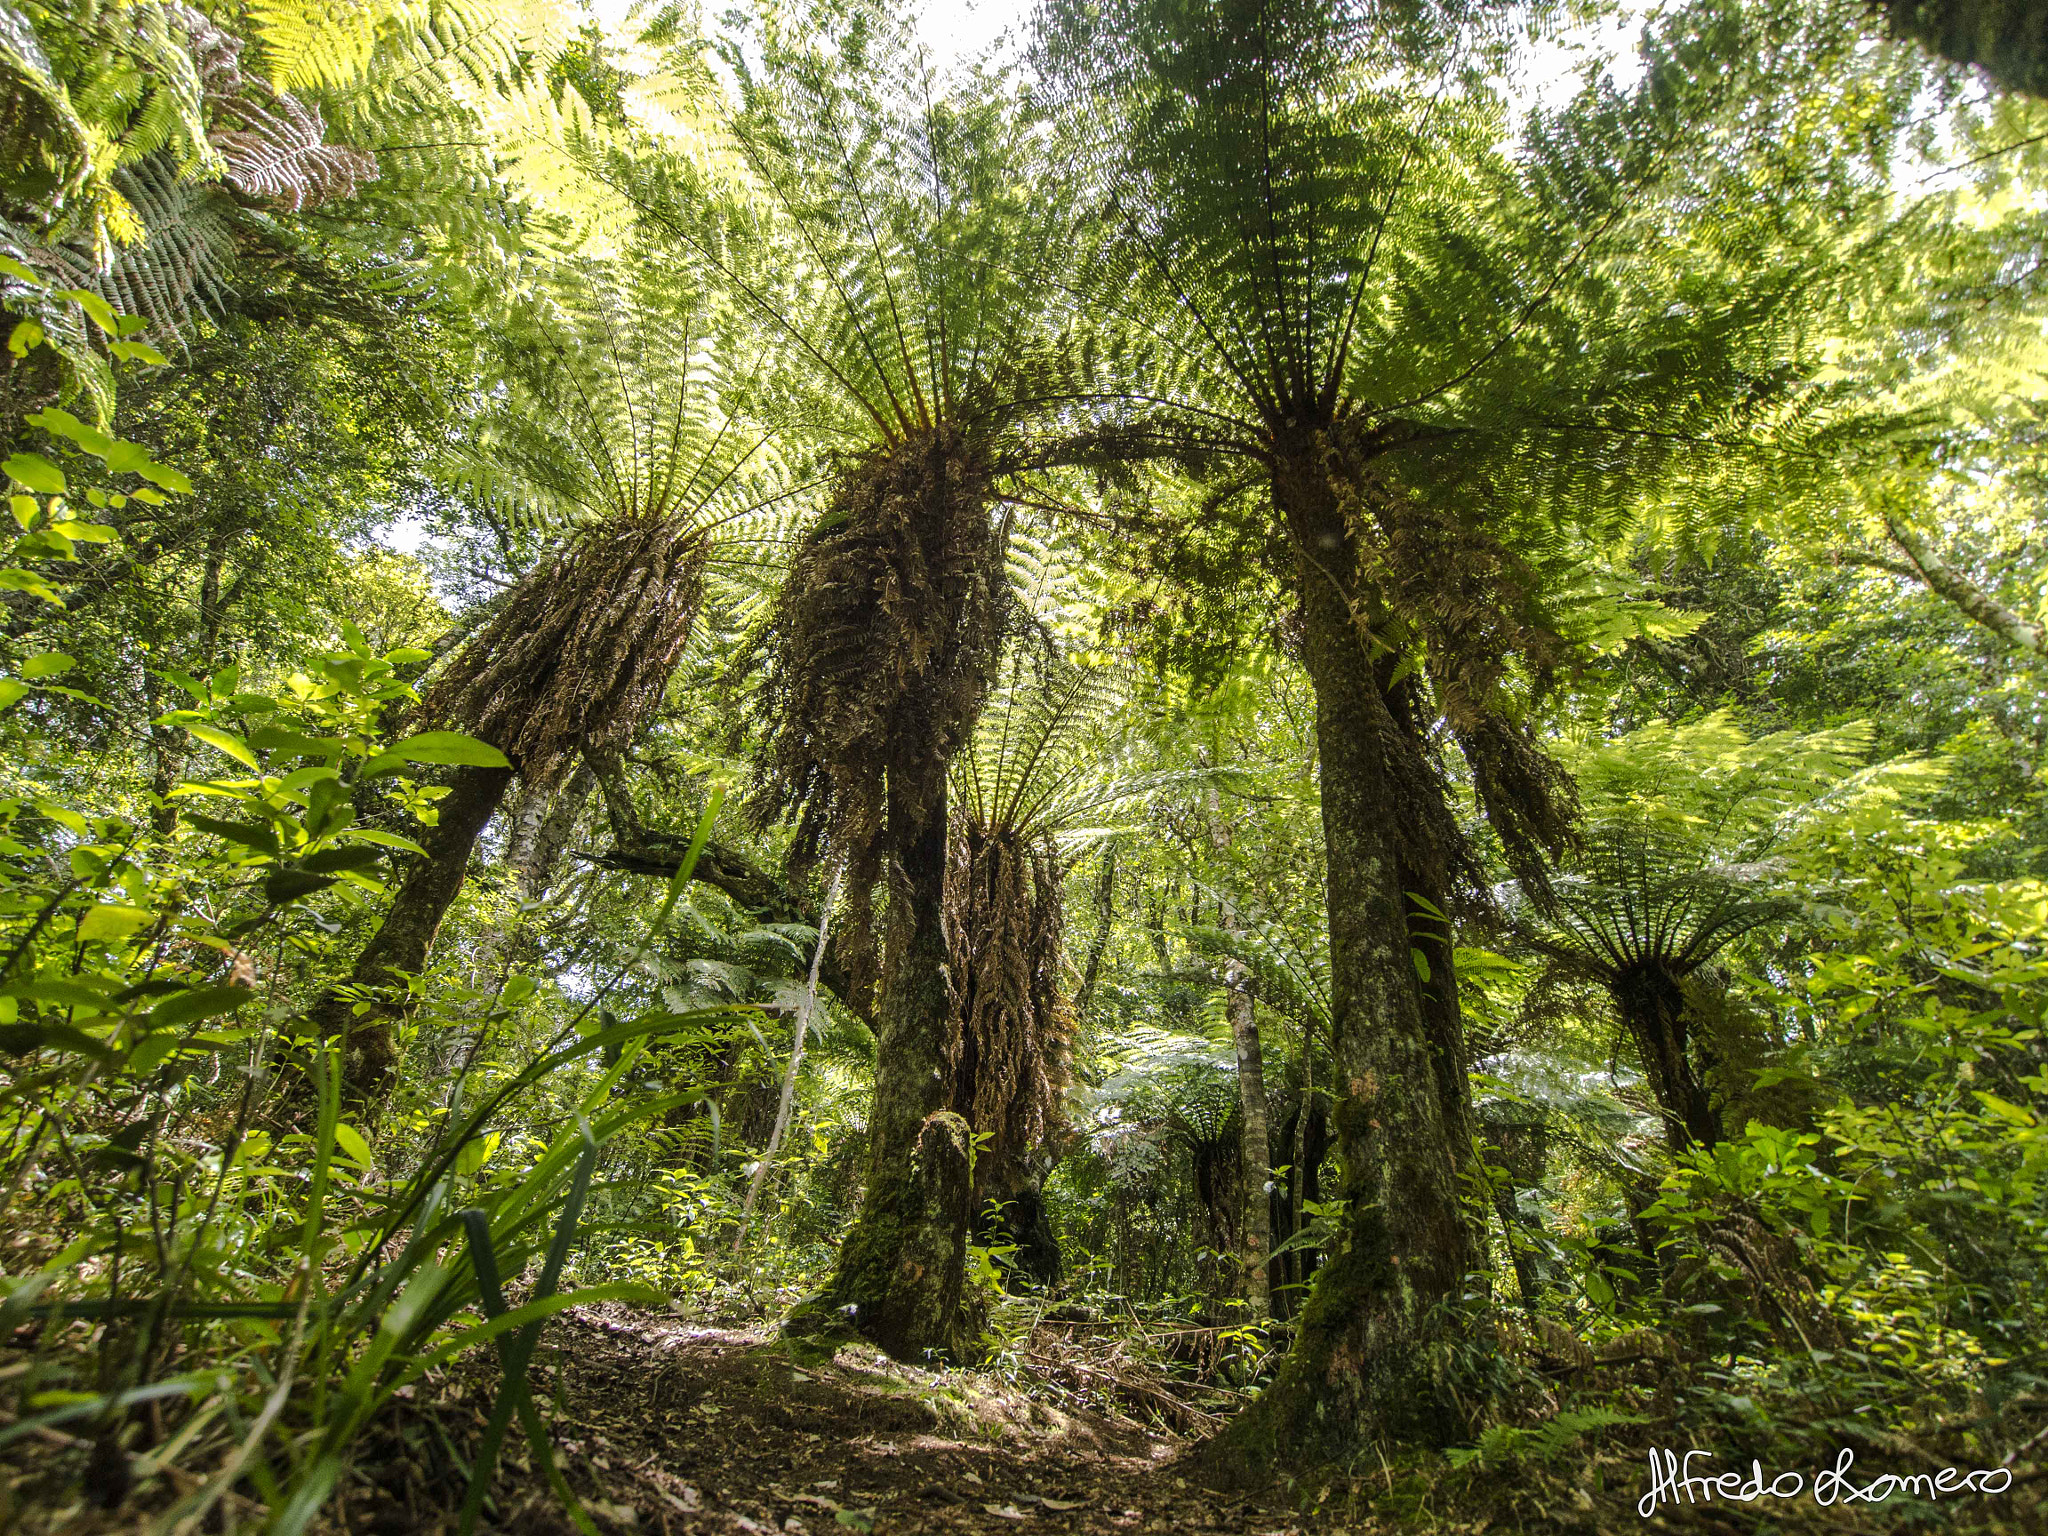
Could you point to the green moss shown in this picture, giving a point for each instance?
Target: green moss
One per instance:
(902, 1268)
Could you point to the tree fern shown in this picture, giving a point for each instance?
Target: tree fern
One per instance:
(1673, 869)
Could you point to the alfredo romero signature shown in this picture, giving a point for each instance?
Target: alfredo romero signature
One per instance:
(1674, 1480)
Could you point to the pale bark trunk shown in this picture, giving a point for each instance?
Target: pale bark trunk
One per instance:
(806, 1006)
(1254, 1148)
(1105, 915)
(541, 828)
(1258, 1165)
(1945, 581)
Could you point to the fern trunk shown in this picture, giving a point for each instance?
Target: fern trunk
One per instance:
(1653, 1009)
(1365, 1365)
(903, 1263)
(403, 939)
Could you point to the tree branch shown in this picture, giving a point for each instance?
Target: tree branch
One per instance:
(1945, 581)
(750, 887)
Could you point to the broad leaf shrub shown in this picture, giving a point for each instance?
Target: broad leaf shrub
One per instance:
(1882, 1270)
(211, 1265)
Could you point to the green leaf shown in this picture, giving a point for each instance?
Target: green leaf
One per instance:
(199, 1003)
(101, 311)
(19, 273)
(334, 861)
(108, 924)
(137, 352)
(475, 1153)
(85, 533)
(14, 579)
(48, 664)
(61, 423)
(276, 738)
(384, 840)
(149, 1054)
(20, 1039)
(449, 747)
(352, 1145)
(36, 472)
(62, 991)
(2005, 1110)
(170, 479)
(11, 692)
(290, 884)
(234, 746)
(248, 835)
(27, 336)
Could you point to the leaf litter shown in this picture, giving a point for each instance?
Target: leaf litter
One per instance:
(662, 1426)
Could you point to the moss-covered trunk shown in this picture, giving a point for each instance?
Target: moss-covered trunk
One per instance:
(902, 1266)
(1015, 1190)
(1366, 1365)
(407, 933)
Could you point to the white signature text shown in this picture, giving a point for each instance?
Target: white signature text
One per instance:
(1674, 1480)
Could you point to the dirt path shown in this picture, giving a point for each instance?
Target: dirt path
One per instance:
(675, 1428)
(665, 1425)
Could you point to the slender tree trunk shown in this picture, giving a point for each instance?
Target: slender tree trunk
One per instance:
(522, 836)
(538, 873)
(1946, 581)
(903, 1264)
(1257, 1152)
(1429, 939)
(1360, 1371)
(1284, 1274)
(1255, 1149)
(1105, 916)
(170, 749)
(540, 831)
(1523, 1148)
(407, 933)
(800, 1032)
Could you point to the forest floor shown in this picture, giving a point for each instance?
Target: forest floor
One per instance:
(663, 1424)
(671, 1426)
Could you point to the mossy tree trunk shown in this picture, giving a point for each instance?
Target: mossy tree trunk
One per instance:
(1016, 1186)
(903, 1263)
(403, 939)
(1364, 1368)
